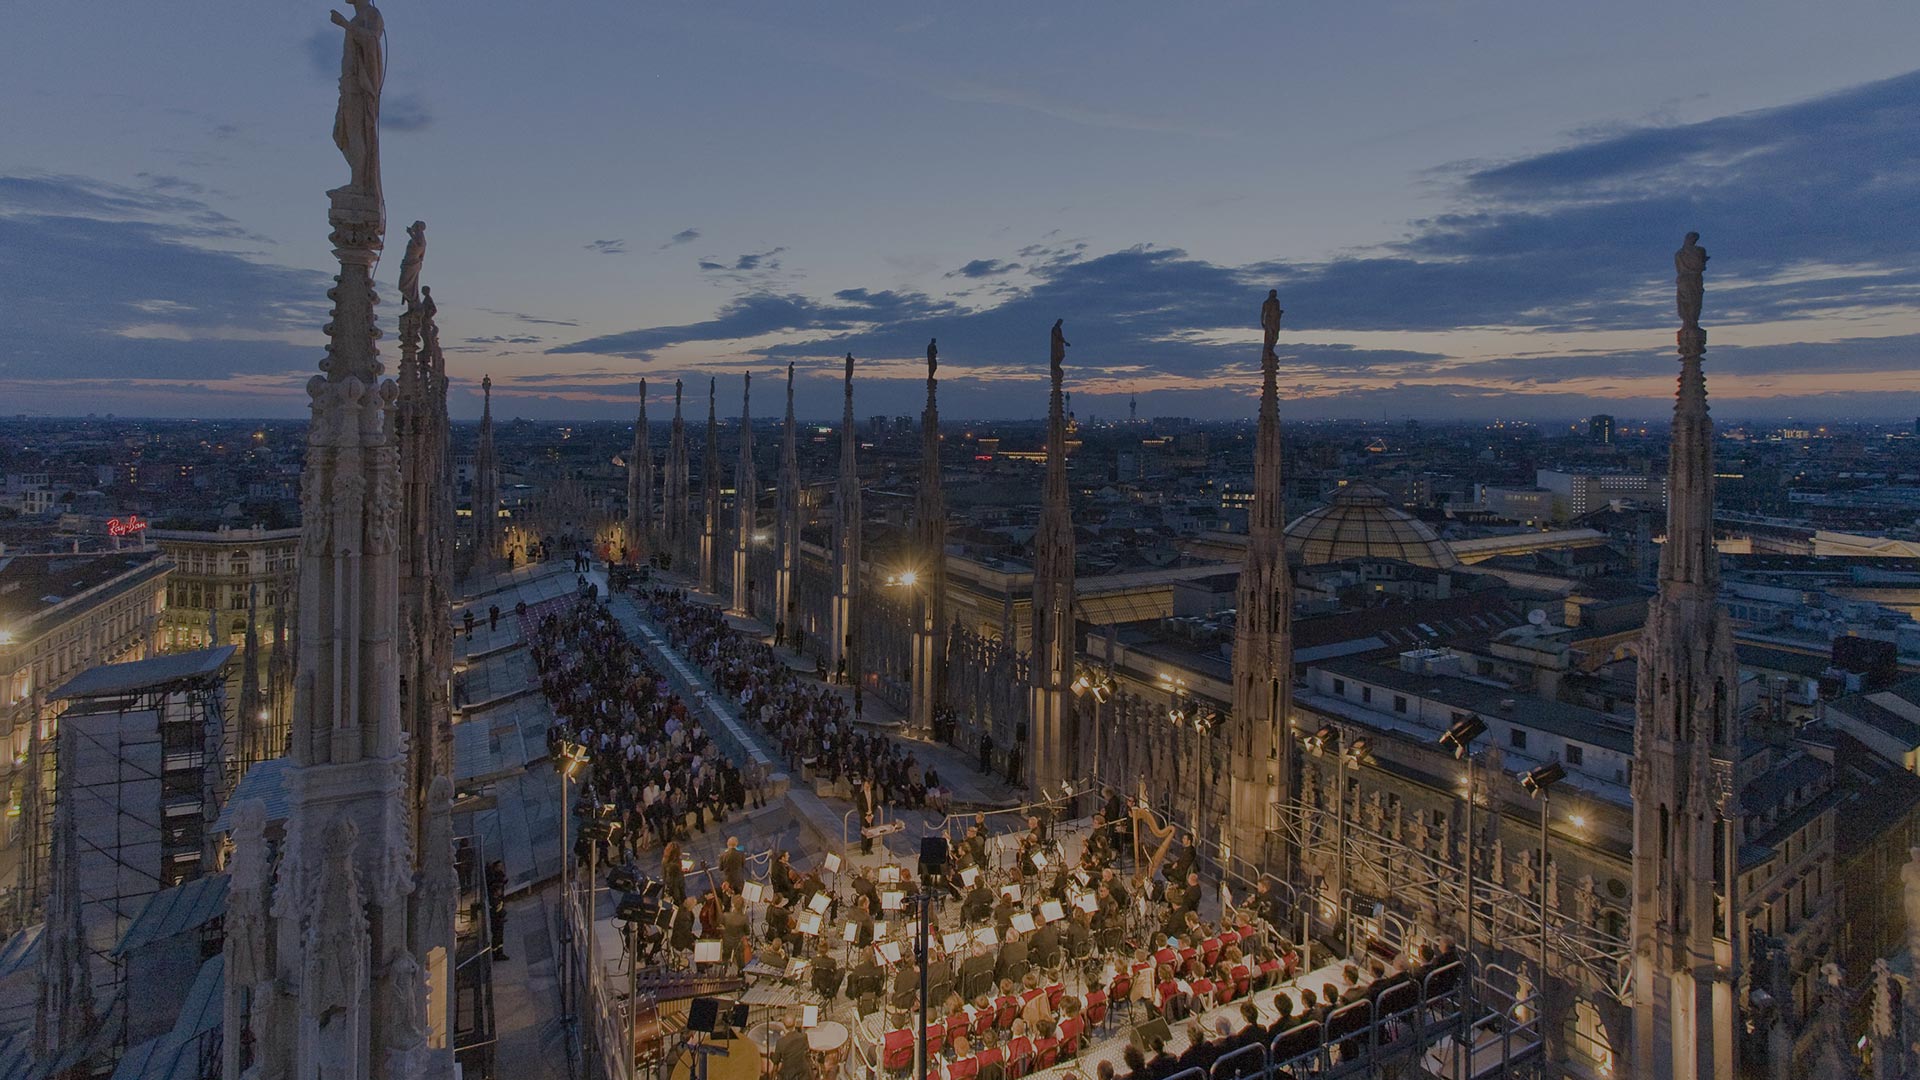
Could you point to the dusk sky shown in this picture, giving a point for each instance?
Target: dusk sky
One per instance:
(1469, 208)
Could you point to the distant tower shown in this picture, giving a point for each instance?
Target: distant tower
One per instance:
(1051, 757)
(786, 524)
(846, 543)
(677, 497)
(1261, 753)
(640, 487)
(1686, 816)
(710, 496)
(746, 504)
(1133, 408)
(1600, 428)
(486, 486)
(929, 599)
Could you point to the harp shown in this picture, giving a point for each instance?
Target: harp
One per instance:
(1145, 825)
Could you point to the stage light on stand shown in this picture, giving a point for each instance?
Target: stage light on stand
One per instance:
(1537, 783)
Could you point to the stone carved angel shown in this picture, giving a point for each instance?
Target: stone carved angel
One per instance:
(1059, 345)
(1270, 319)
(246, 924)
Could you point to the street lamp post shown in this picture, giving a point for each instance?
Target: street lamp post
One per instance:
(1461, 737)
(1537, 783)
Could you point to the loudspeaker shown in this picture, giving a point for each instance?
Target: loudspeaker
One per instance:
(1143, 1034)
(703, 1015)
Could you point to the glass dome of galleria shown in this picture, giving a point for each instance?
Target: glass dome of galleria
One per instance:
(1361, 522)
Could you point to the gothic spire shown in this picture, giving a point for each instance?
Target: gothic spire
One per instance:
(486, 485)
(930, 559)
(786, 539)
(640, 486)
(677, 496)
(1052, 760)
(710, 490)
(1687, 819)
(846, 542)
(1261, 757)
(746, 502)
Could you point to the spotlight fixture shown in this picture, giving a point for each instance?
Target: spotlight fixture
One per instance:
(1462, 734)
(573, 758)
(1327, 736)
(1539, 780)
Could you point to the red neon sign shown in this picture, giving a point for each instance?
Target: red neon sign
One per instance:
(134, 523)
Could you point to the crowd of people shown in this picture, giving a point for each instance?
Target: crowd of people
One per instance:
(649, 759)
(808, 719)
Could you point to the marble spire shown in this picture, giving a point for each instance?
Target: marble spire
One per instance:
(1686, 811)
(344, 994)
(929, 599)
(1051, 759)
(640, 487)
(846, 544)
(746, 505)
(486, 486)
(710, 496)
(1261, 758)
(786, 525)
(676, 494)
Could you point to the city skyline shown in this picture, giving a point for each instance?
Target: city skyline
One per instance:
(1447, 246)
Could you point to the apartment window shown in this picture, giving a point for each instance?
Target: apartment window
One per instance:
(1399, 703)
(1366, 694)
(1576, 755)
(1340, 688)
(1517, 738)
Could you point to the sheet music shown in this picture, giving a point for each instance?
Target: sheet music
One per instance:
(1052, 911)
(890, 951)
(832, 864)
(1011, 892)
(706, 952)
(851, 931)
(808, 924)
(752, 892)
(969, 876)
(987, 935)
(1023, 922)
(954, 940)
(820, 903)
(891, 901)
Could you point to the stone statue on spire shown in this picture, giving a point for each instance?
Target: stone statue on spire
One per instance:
(1060, 345)
(363, 73)
(933, 356)
(1270, 322)
(1690, 264)
(410, 264)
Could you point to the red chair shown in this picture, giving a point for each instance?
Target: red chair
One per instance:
(1202, 989)
(1210, 951)
(1186, 959)
(1054, 994)
(936, 1038)
(1046, 1053)
(1246, 930)
(983, 1022)
(1242, 980)
(965, 1069)
(1096, 1010)
(1229, 937)
(896, 1053)
(1005, 1009)
(958, 1024)
(1070, 1031)
(1165, 956)
(1019, 1057)
(989, 1057)
(1269, 972)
